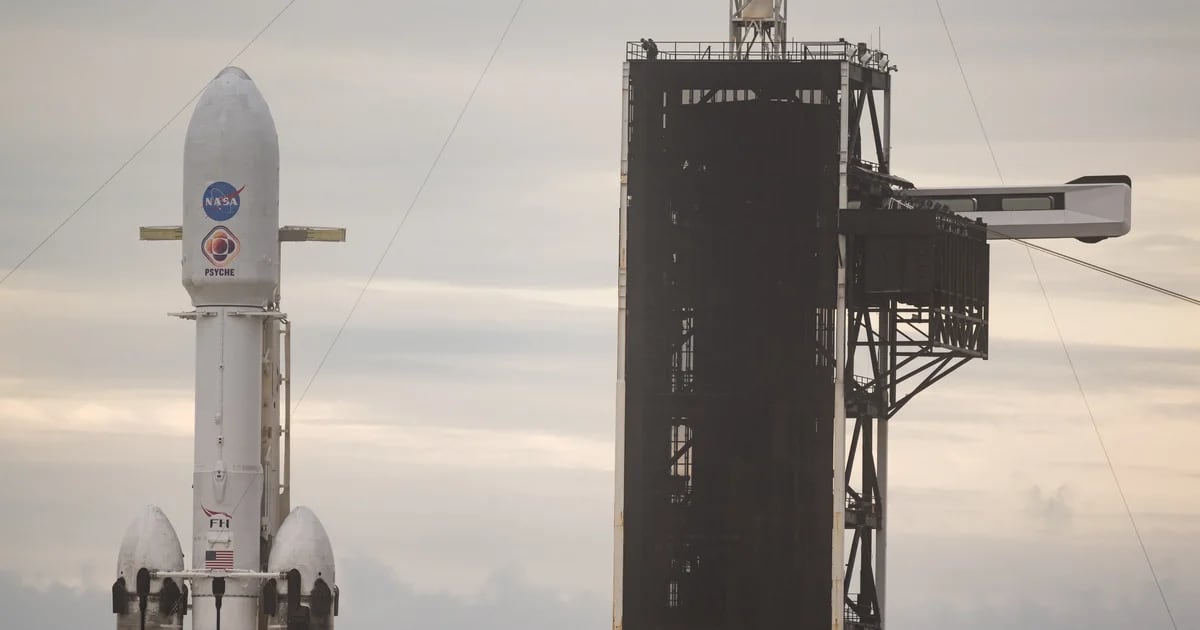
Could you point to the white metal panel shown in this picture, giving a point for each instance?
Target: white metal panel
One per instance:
(1090, 211)
(227, 484)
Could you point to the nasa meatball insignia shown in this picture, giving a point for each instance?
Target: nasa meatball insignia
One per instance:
(222, 201)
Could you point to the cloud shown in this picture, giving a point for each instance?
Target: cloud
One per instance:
(1052, 509)
(372, 597)
(439, 507)
(53, 606)
(1054, 580)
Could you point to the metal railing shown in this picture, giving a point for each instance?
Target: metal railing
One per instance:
(793, 51)
(851, 616)
(861, 505)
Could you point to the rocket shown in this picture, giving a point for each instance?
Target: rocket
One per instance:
(253, 564)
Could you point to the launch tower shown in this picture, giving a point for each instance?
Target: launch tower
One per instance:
(782, 295)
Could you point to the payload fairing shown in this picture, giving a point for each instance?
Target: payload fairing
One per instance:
(251, 567)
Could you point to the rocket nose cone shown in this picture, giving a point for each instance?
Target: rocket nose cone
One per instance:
(233, 72)
(302, 543)
(149, 542)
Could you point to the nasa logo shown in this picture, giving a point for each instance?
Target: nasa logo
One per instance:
(221, 247)
(222, 201)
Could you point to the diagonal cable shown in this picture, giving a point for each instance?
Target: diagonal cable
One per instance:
(42, 243)
(1098, 268)
(1100, 440)
(987, 140)
(970, 92)
(1063, 342)
(1109, 272)
(416, 197)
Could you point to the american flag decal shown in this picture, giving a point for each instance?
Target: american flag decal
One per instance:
(219, 559)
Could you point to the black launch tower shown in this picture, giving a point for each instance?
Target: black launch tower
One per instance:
(765, 247)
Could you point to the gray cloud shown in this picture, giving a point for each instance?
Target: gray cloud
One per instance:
(372, 597)
(996, 583)
(56, 606)
(1038, 370)
(500, 498)
(1052, 508)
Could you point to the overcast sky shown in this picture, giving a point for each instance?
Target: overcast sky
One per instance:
(458, 444)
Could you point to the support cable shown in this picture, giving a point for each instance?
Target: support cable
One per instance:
(970, 92)
(154, 136)
(1109, 272)
(1103, 448)
(1063, 342)
(416, 197)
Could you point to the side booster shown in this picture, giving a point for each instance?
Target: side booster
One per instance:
(138, 599)
(241, 485)
(306, 597)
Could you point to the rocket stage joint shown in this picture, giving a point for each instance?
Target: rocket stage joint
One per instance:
(228, 575)
(192, 315)
(263, 314)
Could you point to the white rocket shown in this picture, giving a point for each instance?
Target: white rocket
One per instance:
(253, 565)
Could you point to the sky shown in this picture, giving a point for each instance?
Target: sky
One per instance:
(458, 443)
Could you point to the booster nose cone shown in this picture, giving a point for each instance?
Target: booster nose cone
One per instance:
(302, 551)
(138, 599)
(149, 542)
(303, 544)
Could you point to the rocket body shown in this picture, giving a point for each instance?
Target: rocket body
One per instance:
(227, 482)
(231, 270)
(240, 501)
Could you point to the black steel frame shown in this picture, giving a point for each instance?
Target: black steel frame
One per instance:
(901, 340)
(685, 565)
(731, 288)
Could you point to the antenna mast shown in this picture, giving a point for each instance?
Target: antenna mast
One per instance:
(758, 22)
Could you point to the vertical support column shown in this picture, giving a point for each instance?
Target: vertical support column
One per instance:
(887, 365)
(781, 28)
(837, 597)
(881, 464)
(285, 498)
(734, 30)
(272, 516)
(622, 312)
(887, 123)
(866, 551)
